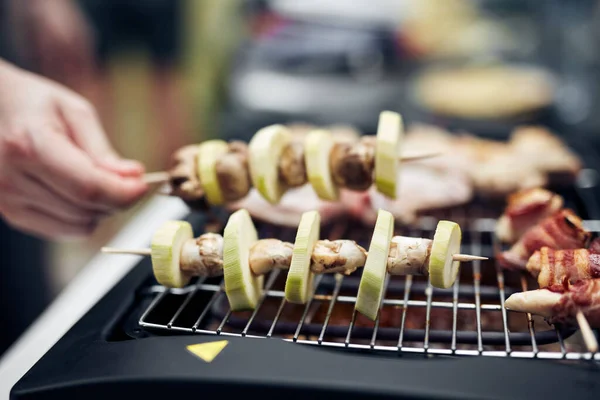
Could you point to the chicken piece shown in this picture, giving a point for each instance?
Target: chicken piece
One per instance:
(421, 138)
(343, 256)
(290, 208)
(526, 208)
(502, 174)
(542, 150)
(561, 230)
(533, 157)
(555, 267)
(267, 254)
(493, 168)
(560, 303)
(409, 256)
(421, 188)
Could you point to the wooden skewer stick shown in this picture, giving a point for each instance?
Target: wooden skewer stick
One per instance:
(467, 257)
(147, 252)
(139, 252)
(156, 177)
(422, 156)
(163, 176)
(586, 332)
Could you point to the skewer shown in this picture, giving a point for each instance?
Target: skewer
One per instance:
(148, 252)
(416, 157)
(243, 259)
(137, 252)
(586, 332)
(156, 177)
(467, 257)
(163, 176)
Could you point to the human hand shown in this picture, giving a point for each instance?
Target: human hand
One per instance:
(53, 38)
(58, 173)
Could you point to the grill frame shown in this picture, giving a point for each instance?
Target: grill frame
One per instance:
(474, 231)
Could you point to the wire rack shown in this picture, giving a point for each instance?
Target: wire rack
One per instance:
(469, 319)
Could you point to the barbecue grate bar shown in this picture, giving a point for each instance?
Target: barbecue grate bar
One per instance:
(404, 298)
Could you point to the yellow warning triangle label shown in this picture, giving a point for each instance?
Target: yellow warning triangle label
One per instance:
(207, 351)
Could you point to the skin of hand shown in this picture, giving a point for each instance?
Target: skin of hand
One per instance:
(58, 173)
(53, 38)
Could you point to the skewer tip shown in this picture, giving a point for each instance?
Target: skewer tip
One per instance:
(467, 257)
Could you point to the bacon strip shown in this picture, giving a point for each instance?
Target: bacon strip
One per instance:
(524, 209)
(559, 303)
(562, 230)
(557, 267)
(582, 295)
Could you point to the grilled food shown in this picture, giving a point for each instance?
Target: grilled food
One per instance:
(299, 281)
(167, 247)
(202, 256)
(244, 259)
(555, 267)
(243, 288)
(532, 157)
(370, 290)
(442, 268)
(209, 153)
(265, 150)
(275, 161)
(319, 144)
(387, 150)
(525, 209)
(561, 230)
(437, 189)
(560, 303)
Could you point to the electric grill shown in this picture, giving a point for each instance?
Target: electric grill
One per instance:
(426, 343)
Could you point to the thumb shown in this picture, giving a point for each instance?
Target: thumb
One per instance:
(86, 131)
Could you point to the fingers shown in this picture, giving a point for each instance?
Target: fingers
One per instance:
(35, 222)
(68, 171)
(86, 131)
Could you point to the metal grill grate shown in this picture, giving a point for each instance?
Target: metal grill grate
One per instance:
(467, 319)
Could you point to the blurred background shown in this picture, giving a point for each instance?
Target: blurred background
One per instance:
(164, 73)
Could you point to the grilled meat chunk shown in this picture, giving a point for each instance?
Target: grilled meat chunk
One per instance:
(526, 208)
(561, 230)
(560, 303)
(555, 267)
